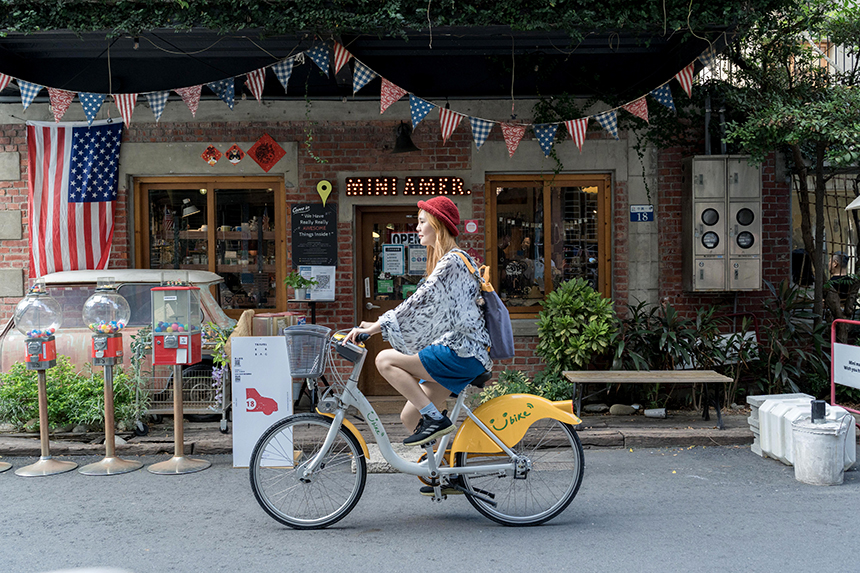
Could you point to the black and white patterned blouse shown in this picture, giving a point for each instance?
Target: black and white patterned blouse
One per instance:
(442, 310)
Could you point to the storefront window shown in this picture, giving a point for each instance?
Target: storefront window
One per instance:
(228, 226)
(546, 232)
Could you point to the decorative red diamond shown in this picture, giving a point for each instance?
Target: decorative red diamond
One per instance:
(211, 155)
(266, 152)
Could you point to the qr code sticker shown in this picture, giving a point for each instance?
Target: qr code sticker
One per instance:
(322, 281)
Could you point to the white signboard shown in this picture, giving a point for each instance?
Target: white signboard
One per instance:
(262, 390)
(324, 275)
(846, 365)
(417, 260)
(392, 260)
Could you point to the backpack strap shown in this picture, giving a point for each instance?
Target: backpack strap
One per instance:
(484, 270)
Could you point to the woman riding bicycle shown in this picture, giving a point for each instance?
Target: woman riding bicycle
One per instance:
(438, 334)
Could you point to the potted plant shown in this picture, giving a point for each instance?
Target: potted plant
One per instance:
(575, 326)
(299, 284)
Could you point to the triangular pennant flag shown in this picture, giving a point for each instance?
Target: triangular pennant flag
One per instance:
(283, 70)
(576, 128)
(480, 130)
(224, 89)
(157, 102)
(639, 108)
(609, 121)
(341, 56)
(390, 93)
(256, 82)
(125, 104)
(361, 75)
(60, 102)
(709, 57)
(663, 95)
(419, 109)
(320, 55)
(91, 103)
(4, 81)
(513, 133)
(448, 121)
(685, 78)
(28, 92)
(545, 133)
(191, 97)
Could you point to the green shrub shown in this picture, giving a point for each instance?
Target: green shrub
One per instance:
(551, 386)
(575, 326)
(73, 397)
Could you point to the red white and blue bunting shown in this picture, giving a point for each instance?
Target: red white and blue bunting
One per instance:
(321, 54)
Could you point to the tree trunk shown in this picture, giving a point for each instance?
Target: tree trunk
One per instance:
(810, 243)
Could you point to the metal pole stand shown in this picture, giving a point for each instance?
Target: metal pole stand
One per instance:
(111, 464)
(46, 466)
(178, 464)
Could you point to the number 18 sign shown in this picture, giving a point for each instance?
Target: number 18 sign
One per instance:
(641, 213)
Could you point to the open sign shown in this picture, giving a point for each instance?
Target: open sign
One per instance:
(405, 238)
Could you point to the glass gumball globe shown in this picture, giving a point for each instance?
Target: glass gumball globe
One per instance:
(38, 315)
(106, 311)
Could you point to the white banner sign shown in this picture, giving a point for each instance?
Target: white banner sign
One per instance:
(262, 390)
(846, 365)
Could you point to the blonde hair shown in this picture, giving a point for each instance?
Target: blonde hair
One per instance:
(444, 242)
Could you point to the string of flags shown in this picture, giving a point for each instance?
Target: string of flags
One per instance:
(322, 55)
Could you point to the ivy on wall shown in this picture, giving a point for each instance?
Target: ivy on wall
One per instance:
(379, 17)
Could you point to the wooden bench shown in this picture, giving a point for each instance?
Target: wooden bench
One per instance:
(581, 378)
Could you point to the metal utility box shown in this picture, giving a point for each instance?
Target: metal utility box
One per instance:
(721, 224)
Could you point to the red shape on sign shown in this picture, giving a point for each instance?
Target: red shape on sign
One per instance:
(471, 226)
(256, 403)
(266, 152)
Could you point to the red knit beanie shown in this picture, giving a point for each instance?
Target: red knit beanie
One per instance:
(443, 209)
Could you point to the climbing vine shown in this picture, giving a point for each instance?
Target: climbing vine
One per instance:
(377, 17)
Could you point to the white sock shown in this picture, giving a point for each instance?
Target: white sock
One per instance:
(431, 410)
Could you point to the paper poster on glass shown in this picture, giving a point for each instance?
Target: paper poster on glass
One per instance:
(417, 260)
(393, 260)
(407, 290)
(324, 276)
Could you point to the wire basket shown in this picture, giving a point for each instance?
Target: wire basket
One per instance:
(307, 347)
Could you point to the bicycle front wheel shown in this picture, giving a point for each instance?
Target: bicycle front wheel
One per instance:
(300, 500)
(553, 454)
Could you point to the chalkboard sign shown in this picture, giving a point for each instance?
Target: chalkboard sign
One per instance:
(314, 234)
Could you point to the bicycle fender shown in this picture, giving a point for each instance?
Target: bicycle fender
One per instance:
(509, 416)
(351, 427)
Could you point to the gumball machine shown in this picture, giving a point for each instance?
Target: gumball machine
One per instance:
(177, 339)
(38, 317)
(106, 313)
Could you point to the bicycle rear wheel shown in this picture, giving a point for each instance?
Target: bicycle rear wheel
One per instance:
(555, 455)
(315, 501)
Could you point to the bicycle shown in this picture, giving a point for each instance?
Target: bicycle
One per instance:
(308, 471)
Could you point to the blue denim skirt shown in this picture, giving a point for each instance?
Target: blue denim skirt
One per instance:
(451, 371)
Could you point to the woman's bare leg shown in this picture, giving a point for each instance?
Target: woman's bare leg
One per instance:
(403, 371)
(438, 394)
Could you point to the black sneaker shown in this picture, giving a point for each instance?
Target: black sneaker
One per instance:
(446, 490)
(429, 429)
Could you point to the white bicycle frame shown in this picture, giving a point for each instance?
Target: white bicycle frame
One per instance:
(430, 467)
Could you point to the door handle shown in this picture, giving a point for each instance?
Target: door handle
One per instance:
(370, 306)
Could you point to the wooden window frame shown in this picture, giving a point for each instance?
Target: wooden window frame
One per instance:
(142, 186)
(603, 181)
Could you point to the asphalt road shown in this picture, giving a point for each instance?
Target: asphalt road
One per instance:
(679, 509)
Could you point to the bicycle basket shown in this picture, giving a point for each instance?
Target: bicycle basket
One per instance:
(307, 348)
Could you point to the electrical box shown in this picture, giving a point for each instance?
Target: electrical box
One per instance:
(721, 224)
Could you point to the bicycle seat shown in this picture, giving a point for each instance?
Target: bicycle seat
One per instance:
(481, 379)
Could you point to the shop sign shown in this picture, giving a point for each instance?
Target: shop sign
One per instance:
(314, 236)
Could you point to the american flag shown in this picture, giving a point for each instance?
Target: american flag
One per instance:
(72, 177)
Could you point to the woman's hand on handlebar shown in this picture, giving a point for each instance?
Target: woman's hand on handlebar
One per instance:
(367, 329)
